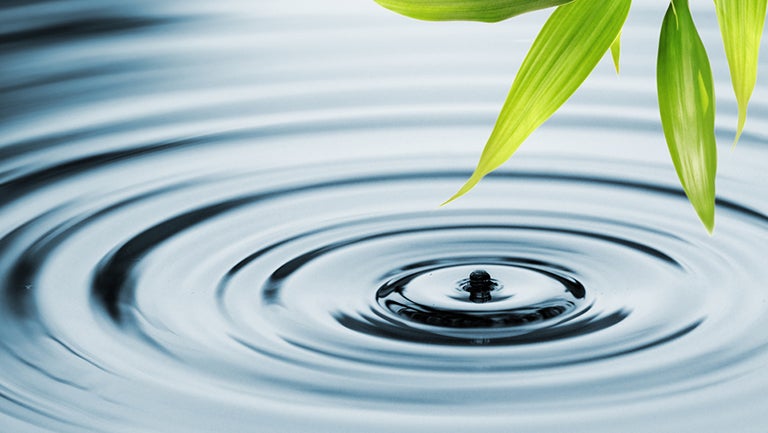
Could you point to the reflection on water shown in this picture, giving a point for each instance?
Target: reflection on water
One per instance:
(224, 218)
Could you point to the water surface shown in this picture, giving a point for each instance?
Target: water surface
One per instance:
(224, 218)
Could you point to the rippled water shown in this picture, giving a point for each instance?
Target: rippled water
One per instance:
(225, 219)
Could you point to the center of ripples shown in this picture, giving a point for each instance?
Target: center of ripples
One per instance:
(478, 301)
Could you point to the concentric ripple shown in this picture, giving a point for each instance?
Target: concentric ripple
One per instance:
(265, 252)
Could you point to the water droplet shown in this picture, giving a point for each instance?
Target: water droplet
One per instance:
(479, 285)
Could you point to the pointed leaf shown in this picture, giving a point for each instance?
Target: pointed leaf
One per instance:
(466, 10)
(687, 107)
(616, 52)
(741, 25)
(569, 46)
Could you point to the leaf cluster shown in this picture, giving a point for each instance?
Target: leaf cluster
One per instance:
(577, 35)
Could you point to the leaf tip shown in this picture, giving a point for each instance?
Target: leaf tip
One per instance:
(740, 126)
(471, 182)
(616, 53)
(710, 226)
(706, 214)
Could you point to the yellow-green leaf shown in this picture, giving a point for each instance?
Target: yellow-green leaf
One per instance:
(741, 25)
(569, 46)
(466, 10)
(687, 107)
(616, 52)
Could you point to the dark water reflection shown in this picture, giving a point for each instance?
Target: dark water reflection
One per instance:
(224, 218)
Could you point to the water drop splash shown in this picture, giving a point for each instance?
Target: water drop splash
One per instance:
(479, 285)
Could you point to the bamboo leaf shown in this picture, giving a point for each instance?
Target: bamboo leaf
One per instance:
(569, 46)
(616, 52)
(741, 25)
(466, 10)
(687, 107)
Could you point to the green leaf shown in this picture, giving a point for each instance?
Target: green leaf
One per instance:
(569, 46)
(466, 10)
(741, 24)
(616, 52)
(687, 107)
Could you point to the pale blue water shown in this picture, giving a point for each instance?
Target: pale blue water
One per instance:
(224, 218)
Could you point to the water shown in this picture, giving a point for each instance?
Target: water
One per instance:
(225, 218)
